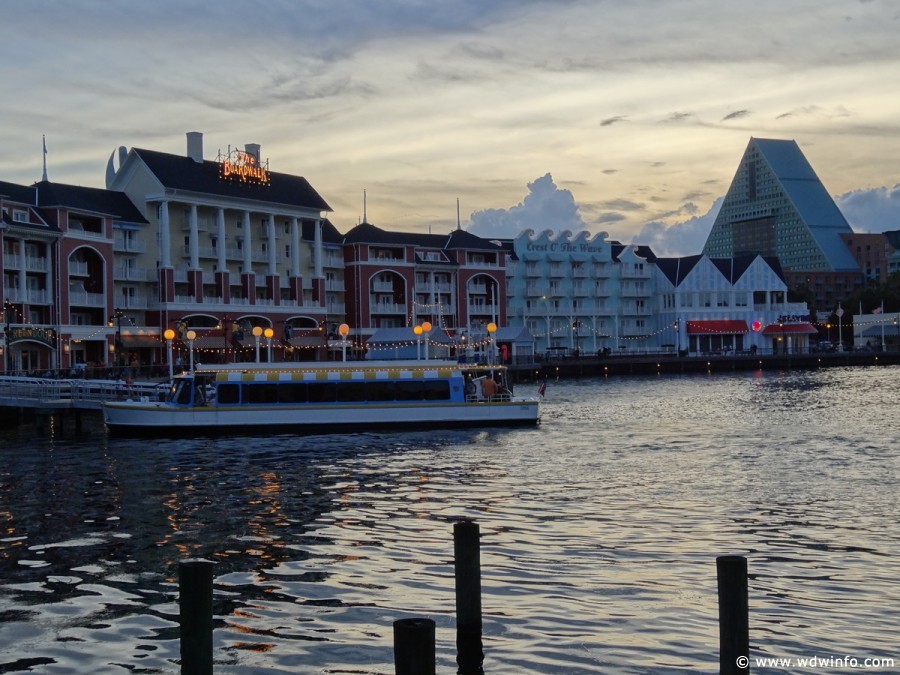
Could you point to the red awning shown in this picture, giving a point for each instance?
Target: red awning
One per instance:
(717, 327)
(790, 329)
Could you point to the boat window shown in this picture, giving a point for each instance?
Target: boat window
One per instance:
(408, 390)
(381, 391)
(264, 392)
(436, 390)
(182, 393)
(351, 391)
(322, 392)
(292, 392)
(228, 394)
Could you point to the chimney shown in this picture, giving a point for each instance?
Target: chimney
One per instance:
(252, 149)
(195, 146)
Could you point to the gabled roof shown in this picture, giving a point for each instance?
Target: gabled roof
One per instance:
(95, 200)
(183, 173)
(464, 239)
(677, 269)
(17, 193)
(330, 234)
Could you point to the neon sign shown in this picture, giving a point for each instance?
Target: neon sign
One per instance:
(243, 167)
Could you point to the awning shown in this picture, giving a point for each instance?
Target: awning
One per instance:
(717, 327)
(138, 341)
(790, 329)
(210, 342)
(886, 329)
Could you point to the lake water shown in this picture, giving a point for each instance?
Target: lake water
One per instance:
(600, 531)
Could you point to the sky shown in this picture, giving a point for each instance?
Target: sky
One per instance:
(624, 117)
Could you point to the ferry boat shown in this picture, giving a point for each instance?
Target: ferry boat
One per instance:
(325, 397)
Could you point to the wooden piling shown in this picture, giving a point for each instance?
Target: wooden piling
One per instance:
(195, 615)
(734, 618)
(414, 647)
(467, 566)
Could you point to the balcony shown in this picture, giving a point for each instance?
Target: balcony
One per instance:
(124, 273)
(387, 308)
(77, 268)
(128, 245)
(84, 299)
(35, 264)
(334, 285)
(382, 287)
(533, 270)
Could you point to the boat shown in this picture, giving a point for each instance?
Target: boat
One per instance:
(325, 397)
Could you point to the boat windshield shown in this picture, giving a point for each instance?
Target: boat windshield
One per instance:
(180, 391)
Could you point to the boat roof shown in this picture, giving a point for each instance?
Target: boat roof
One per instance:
(333, 366)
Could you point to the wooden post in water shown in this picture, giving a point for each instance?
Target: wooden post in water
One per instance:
(467, 556)
(414, 647)
(734, 619)
(195, 615)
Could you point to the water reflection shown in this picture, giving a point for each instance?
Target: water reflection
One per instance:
(600, 531)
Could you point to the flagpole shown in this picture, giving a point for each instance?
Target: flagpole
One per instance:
(44, 178)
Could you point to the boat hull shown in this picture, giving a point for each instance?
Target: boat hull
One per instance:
(135, 418)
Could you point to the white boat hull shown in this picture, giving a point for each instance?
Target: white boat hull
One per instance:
(156, 418)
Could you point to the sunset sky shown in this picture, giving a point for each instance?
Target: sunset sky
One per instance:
(608, 116)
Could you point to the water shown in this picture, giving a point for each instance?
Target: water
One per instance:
(600, 531)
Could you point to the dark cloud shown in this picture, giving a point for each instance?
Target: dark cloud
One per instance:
(613, 120)
(610, 172)
(737, 114)
(622, 205)
(545, 207)
(676, 117)
(610, 217)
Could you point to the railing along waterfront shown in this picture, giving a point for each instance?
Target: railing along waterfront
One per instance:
(48, 393)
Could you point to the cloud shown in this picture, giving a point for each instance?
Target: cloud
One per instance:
(545, 207)
(612, 120)
(737, 114)
(683, 238)
(871, 210)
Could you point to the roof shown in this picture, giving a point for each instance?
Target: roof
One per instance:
(513, 334)
(330, 234)
(181, 172)
(367, 233)
(717, 327)
(809, 197)
(677, 269)
(96, 200)
(17, 193)
(642, 251)
(406, 334)
(790, 329)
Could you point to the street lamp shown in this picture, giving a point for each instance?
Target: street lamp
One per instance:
(7, 315)
(783, 343)
(677, 338)
(118, 315)
(269, 334)
(426, 329)
(897, 328)
(191, 336)
(344, 331)
(417, 330)
(257, 331)
(491, 329)
(169, 334)
(223, 326)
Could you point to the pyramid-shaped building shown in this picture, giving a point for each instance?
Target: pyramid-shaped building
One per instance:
(777, 206)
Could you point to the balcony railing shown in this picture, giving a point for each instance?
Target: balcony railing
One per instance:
(85, 299)
(387, 308)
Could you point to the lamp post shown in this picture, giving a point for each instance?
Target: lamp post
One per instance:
(783, 343)
(426, 329)
(191, 336)
(677, 338)
(169, 334)
(118, 315)
(897, 328)
(417, 331)
(268, 333)
(223, 325)
(491, 329)
(257, 331)
(344, 331)
(7, 315)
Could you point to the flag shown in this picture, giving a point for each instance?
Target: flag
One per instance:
(878, 310)
(543, 388)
